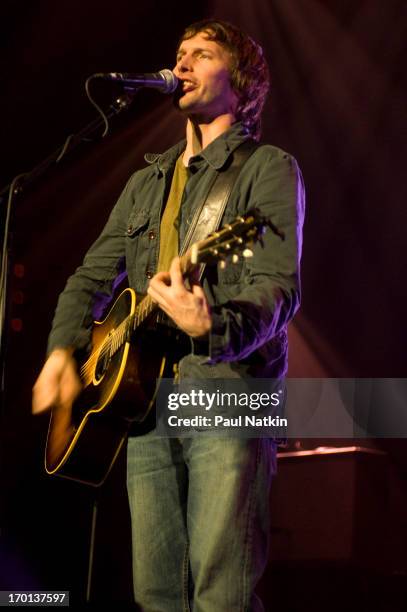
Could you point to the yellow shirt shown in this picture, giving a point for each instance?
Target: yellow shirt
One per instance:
(169, 220)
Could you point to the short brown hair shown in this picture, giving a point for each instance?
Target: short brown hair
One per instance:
(249, 73)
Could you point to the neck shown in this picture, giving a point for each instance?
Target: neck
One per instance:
(200, 134)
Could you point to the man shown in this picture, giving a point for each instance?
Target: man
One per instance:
(199, 505)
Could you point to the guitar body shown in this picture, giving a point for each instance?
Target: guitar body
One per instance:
(118, 389)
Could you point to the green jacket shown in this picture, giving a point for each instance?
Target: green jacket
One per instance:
(251, 301)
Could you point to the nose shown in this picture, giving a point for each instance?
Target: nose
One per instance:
(184, 64)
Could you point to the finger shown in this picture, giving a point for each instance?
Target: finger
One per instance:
(164, 307)
(39, 405)
(177, 279)
(161, 278)
(157, 289)
(44, 395)
(157, 297)
(70, 387)
(198, 291)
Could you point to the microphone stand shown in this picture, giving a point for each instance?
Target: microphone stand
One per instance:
(15, 189)
(20, 184)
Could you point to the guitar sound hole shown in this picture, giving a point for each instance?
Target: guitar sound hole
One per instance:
(101, 365)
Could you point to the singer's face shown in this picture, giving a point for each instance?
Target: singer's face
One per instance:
(203, 68)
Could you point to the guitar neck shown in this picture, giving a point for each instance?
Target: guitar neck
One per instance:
(145, 308)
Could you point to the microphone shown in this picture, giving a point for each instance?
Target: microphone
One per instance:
(165, 80)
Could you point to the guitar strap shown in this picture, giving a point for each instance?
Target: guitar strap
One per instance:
(208, 216)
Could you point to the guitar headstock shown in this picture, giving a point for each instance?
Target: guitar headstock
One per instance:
(229, 242)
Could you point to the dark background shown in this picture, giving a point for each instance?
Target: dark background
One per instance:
(337, 103)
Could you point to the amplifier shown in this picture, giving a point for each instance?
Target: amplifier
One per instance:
(330, 504)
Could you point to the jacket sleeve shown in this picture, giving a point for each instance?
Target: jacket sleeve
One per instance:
(73, 317)
(271, 293)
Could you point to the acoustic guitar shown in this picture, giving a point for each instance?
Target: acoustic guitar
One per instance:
(120, 377)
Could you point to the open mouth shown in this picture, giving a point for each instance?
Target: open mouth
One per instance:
(188, 86)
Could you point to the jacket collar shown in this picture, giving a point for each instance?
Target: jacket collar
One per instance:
(216, 153)
(164, 161)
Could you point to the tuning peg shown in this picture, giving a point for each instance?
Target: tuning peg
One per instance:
(235, 258)
(247, 253)
(222, 264)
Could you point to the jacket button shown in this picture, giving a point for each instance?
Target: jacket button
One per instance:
(149, 274)
(151, 234)
(129, 229)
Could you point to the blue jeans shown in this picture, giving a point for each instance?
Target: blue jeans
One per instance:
(200, 521)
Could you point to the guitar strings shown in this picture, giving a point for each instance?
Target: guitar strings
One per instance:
(116, 338)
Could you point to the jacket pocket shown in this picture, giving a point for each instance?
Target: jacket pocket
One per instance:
(137, 222)
(138, 250)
